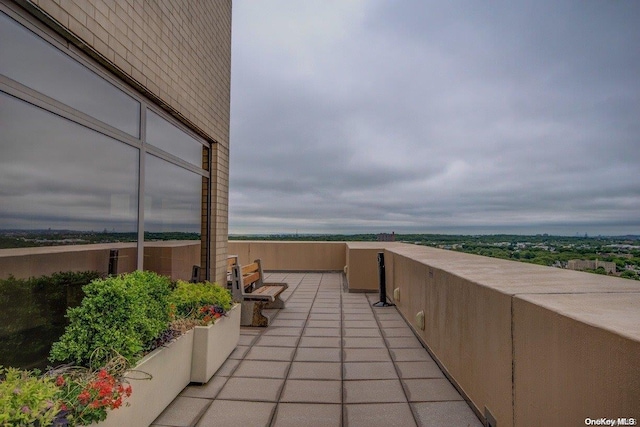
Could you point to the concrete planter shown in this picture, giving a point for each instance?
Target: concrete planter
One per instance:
(170, 371)
(213, 344)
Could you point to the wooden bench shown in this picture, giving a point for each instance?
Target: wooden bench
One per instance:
(248, 287)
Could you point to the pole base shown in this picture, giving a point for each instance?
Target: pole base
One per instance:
(383, 304)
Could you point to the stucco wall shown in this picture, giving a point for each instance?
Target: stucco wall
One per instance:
(534, 345)
(291, 256)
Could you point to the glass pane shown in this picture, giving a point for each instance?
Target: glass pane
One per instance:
(172, 204)
(28, 59)
(169, 138)
(62, 183)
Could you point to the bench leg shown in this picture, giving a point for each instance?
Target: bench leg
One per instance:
(251, 314)
(278, 303)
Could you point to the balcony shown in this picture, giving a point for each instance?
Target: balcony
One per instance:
(470, 340)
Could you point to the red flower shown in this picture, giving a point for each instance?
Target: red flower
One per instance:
(60, 381)
(117, 403)
(84, 397)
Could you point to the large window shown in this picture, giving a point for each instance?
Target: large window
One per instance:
(86, 159)
(55, 176)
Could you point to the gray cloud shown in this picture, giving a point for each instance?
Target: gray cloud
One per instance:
(435, 117)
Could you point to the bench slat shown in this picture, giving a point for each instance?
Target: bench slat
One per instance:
(273, 290)
(251, 268)
(250, 279)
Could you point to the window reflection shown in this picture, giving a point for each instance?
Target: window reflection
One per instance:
(172, 204)
(28, 59)
(59, 175)
(171, 139)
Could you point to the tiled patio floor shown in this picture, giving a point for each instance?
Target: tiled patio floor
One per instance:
(328, 359)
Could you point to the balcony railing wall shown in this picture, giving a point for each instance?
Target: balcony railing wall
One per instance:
(525, 344)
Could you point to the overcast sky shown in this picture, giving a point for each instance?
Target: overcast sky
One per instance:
(357, 116)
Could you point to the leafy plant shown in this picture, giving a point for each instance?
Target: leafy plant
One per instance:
(26, 399)
(118, 315)
(188, 299)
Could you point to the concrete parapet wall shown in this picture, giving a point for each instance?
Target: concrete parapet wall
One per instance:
(291, 256)
(362, 265)
(576, 356)
(533, 345)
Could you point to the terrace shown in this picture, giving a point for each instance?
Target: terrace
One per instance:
(471, 340)
(328, 359)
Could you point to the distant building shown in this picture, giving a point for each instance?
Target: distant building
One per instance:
(386, 237)
(581, 264)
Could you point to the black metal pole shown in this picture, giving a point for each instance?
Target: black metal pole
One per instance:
(383, 284)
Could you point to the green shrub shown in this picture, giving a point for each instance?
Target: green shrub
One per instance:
(27, 400)
(117, 315)
(188, 298)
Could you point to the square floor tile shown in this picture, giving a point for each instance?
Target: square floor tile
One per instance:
(206, 391)
(388, 315)
(347, 324)
(183, 411)
(425, 369)
(282, 331)
(315, 371)
(276, 341)
(294, 309)
(308, 415)
(445, 414)
(430, 390)
(284, 315)
(255, 389)
(410, 355)
(369, 371)
(356, 310)
(234, 413)
(227, 367)
(403, 342)
(288, 323)
(373, 391)
(361, 332)
(250, 330)
(312, 391)
(322, 316)
(239, 352)
(393, 324)
(321, 332)
(319, 342)
(317, 354)
(326, 310)
(324, 323)
(379, 415)
(366, 355)
(398, 332)
(368, 317)
(262, 369)
(366, 342)
(270, 353)
(247, 340)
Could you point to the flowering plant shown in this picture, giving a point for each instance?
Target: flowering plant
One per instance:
(209, 313)
(26, 398)
(87, 396)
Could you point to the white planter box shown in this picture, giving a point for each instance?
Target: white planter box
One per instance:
(213, 344)
(170, 368)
